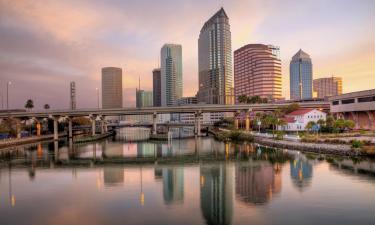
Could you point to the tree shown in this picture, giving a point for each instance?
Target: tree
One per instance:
(242, 99)
(349, 124)
(29, 104)
(330, 121)
(321, 122)
(46, 107)
(310, 125)
(339, 124)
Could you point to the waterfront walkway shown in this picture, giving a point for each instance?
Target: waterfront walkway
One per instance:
(26, 140)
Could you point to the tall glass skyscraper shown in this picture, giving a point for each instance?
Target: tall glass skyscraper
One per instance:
(171, 74)
(301, 76)
(215, 61)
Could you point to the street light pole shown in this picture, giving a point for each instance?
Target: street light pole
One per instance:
(9, 83)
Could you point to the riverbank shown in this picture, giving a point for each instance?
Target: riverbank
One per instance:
(27, 140)
(332, 149)
(320, 148)
(97, 137)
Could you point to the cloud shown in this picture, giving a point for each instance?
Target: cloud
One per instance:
(46, 44)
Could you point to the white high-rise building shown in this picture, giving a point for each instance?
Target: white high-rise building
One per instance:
(171, 74)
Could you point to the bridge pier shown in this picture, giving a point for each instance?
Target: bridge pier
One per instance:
(154, 126)
(38, 128)
(55, 128)
(247, 122)
(70, 127)
(236, 120)
(18, 128)
(93, 125)
(197, 126)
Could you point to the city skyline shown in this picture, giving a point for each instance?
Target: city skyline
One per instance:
(42, 50)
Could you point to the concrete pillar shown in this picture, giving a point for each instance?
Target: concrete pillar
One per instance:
(18, 128)
(102, 131)
(355, 118)
(372, 120)
(70, 127)
(154, 125)
(55, 129)
(56, 150)
(93, 125)
(236, 120)
(38, 127)
(197, 124)
(247, 121)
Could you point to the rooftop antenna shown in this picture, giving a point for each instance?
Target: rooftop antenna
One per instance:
(139, 82)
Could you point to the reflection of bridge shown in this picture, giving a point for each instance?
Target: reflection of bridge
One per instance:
(100, 114)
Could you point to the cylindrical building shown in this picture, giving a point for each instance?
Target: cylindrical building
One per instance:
(257, 71)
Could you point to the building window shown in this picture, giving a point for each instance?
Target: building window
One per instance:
(367, 99)
(347, 101)
(335, 102)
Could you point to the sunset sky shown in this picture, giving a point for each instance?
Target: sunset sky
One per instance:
(46, 44)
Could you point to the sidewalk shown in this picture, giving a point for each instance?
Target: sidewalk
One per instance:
(20, 141)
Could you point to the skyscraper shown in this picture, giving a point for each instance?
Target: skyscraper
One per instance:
(301, 76)
(257, 71)
(156, 80)
(73, 102)
(215, 61)
(111, 87)
(171, 74)
(326, 87)
(144, 98)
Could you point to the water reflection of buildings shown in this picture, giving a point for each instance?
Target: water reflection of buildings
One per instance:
(113, 176)
(216, 193)
(301, 172)
(173, 185)
(257, 182)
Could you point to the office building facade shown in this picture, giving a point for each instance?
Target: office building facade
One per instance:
(327, 87)
(171, 74)
(301, 76)
(144, 98)
(257, 71)
(215, 61)
(111, 87)
(156, 87)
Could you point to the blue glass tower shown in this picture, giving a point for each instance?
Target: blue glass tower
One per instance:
(301, 81)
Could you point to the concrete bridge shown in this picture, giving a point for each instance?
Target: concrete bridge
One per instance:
(100, 114)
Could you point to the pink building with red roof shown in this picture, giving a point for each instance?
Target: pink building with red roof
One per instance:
(297, 120)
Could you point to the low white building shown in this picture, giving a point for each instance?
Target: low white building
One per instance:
(297, 120)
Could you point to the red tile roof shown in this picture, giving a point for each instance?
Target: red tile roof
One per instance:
(300, 112)
(288, 119)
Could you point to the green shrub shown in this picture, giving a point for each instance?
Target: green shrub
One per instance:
(280, 135)
(356, 144)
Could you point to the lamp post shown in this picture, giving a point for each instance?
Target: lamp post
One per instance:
(97, 95)
(8, 84)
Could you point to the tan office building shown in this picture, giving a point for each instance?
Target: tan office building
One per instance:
(326, 87)
(111, 87)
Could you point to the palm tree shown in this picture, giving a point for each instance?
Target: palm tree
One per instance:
(242, 99)
(29, 104)
(46, 107)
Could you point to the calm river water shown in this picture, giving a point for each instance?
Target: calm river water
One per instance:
(186, 181)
